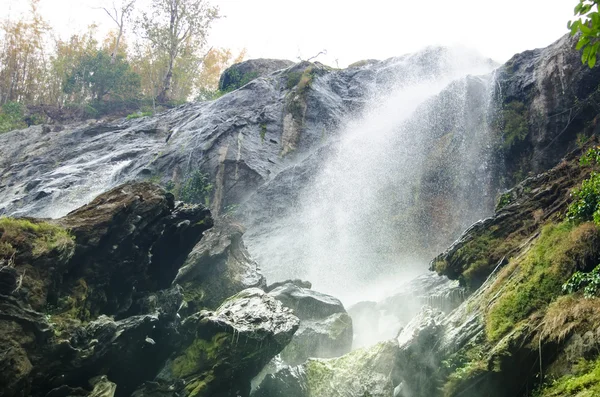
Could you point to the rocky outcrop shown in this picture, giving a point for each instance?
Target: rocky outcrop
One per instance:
(374, 321)
(545, 98)
(242, 73)
(88, 308)
(325, 327)
(218, 267)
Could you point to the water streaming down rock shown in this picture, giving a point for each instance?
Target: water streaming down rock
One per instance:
(402, 181)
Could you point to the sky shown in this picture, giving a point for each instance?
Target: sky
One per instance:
(348, 30)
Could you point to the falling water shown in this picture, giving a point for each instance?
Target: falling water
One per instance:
(403, 179)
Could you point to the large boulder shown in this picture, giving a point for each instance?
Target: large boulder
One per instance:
(325, 327)
(218, 267)
(242, 73)
(223, 350)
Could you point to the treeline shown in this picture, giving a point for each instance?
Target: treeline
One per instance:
(152, 59)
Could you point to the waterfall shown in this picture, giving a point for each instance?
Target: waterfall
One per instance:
(399, 183)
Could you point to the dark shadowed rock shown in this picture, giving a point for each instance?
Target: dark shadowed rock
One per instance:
(60, 281)
(131, 239)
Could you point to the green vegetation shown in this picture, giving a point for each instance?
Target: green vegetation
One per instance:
(139, 114)
(586, 204)
(41, 237)
(97, 76)
(531, 281)
(513, 124)
(585, 382)
(504, 200)
(11, 117)
(588, 25)
(588, 282)
(263, 132)
(478, 257)
(195, 189)
(463, 366)
(300, 80)
(156, 55)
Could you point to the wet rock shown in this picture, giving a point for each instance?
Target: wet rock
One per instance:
(130, 240)
(532, 203)
(531, 91)
(325, 327)
(225, 349)
(218, 267)
(296, 282)
(364, 372)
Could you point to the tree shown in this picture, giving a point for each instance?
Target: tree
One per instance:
(177, 29)
(213, 65)
(119, 15)
(96, 78)
(588, 24)
(66, 57)
(22, 59)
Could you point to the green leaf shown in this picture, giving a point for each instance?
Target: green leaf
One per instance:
(584, 29)
(592, 61)
(583, 41)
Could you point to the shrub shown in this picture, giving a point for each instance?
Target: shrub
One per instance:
(196, 189)
(589, 282)
(11, 117)
(586, 204)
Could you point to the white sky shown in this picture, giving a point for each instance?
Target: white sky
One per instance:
(351, 30)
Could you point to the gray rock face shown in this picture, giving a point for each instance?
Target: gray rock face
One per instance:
(558, 94)
(218, 267)
(325, 327)
(242, 73)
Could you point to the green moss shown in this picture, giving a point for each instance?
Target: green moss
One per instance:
(504, 200)
(199, 356)
(300, 80)
(193, 293)
(585, 382)
(533, 280)
(42, 237)
(318, 375)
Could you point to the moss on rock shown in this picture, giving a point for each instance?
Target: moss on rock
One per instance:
(531, 281)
